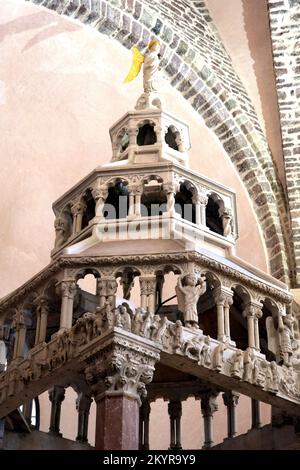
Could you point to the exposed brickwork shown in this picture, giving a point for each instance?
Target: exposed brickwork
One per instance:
(285, 31)
(197, 64)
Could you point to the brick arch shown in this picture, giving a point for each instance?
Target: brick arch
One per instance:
(197, 64)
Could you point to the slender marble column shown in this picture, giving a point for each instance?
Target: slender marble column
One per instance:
(230, 401)
(56, 396)
(175, 413)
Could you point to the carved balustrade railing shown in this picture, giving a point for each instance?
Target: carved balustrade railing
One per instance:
(181, 348)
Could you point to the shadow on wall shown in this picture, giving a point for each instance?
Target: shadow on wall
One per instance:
(52, 23)
(256, 24)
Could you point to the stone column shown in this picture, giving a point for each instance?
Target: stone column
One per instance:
(68, 289)
(208, 407)
(118, 379)
(175, 413)
(42, 310)
(101, 292)
(220, 302)
(201, 202)
(228, 303)
(253, 312)
(255, 412)
(230, 401)
(148, 291)
(131, 191)
(56, 396)
(18, 325)
(223, 299)
(145, 410)
(77, 209)
(258, 315)
(100, 194)
(83, 404)
(138, 199)
(249, 313)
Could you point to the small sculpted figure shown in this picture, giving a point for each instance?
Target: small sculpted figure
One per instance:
(138, 320)
(237, 364)
(285, 339)
(126, 318)
(218, 356)
(188, 291)
(205, 357)
(248, 365)
(154, 327)
(145, 330)
(150, 62)
(193, 348)
(162, 329)
(178, 335)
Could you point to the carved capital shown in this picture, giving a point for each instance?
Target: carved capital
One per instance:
(249, 311)
(123, 366)
(56, 394)
(170, 188)
(200, 198)
(148, 285)
(68, 288)
(42, 304)
(100, 192)
(135, 188)
(223, 297)
(107, 287)
(18, 322)
(175, 409)
(78, 208)
(209, 404)
(253, 310)
(83, 403)
(230, 398)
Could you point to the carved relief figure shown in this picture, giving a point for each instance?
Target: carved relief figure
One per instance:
(272, 378)
(248, 365)
(138, 320)
(162, 329)
(125, 318)
(285, 339)
(237, 364)
(205, 355)
(145, 330)
(259, 373)
(218, 356)
(178, 335)
(193, 348)
(188, 291)
(60, 232)
(155, 326)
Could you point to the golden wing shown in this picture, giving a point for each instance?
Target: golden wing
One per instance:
(137, 60)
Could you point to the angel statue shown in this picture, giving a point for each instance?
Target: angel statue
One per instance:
(150, 62)
(188, 290)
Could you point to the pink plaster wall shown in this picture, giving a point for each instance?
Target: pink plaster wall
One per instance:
(60, 90)
(244, 29)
